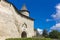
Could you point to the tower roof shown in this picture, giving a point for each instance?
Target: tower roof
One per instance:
(24, 7)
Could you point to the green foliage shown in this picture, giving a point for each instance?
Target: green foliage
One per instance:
(45, 34)
(28, 39)
(54, 34)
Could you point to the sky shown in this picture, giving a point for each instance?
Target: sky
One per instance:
(44, 12)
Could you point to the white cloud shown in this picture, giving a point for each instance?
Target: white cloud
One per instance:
(53, 15)
(47, 20)
(58, 6)
(40, 31)
(56, 17)
(56, 27)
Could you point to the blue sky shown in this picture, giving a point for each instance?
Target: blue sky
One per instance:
(40, 10)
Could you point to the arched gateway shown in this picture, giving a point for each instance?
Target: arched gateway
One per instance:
(24, 34)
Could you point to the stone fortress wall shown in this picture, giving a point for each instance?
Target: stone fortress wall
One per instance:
(12, 25)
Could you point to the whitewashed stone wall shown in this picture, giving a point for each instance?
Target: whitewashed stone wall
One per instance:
(11, 23)
(30, 27)
(7, 21)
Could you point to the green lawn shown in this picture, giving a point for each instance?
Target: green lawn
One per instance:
(28, 39)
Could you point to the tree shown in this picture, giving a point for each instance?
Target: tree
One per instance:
(45, 34)
(54, 34)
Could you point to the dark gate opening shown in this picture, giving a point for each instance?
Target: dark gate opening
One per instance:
(24, 34)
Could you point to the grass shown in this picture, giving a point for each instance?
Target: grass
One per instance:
(28, 39)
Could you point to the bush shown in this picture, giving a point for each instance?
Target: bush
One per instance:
(54, 34)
